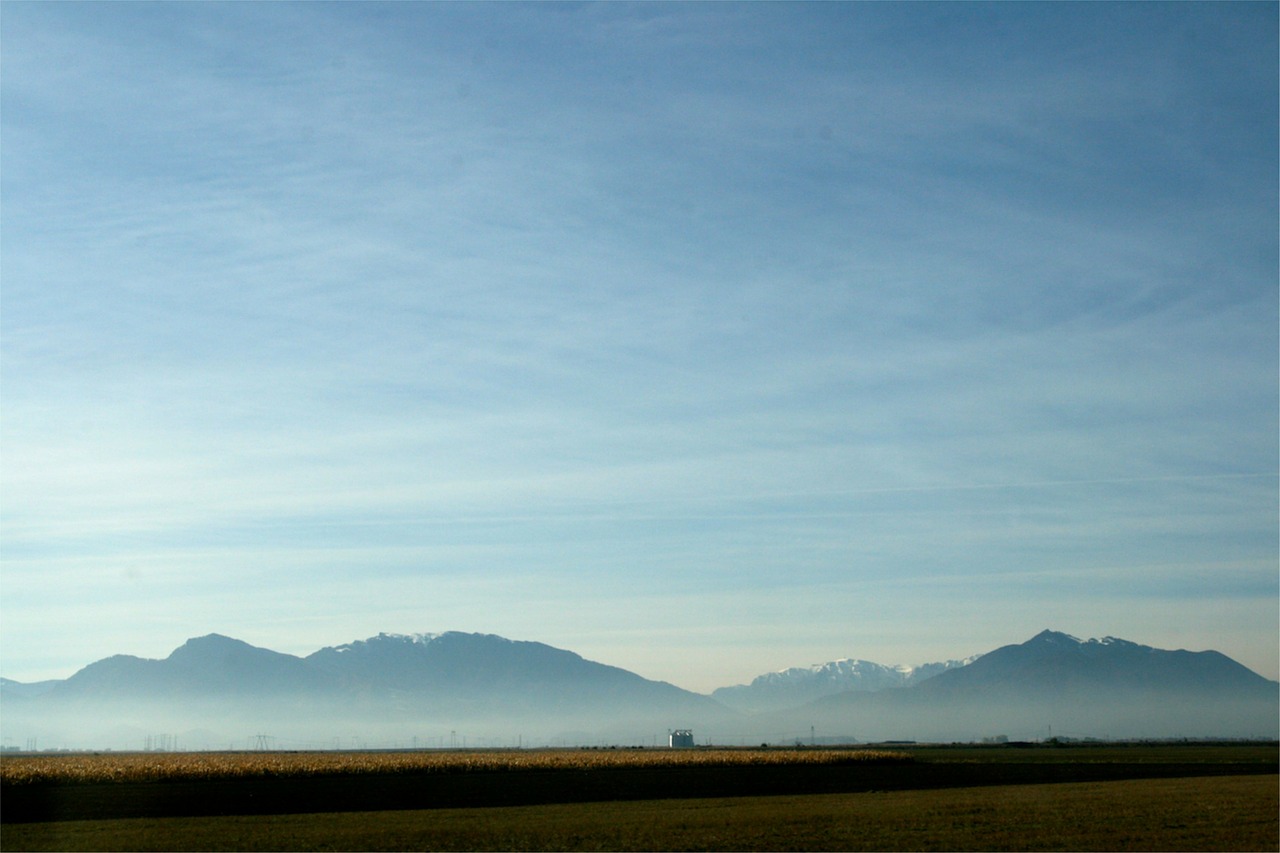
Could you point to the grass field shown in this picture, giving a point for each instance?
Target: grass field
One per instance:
(1220, 813)
(1089, 797)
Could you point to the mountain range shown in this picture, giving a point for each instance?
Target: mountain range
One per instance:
(398, 688)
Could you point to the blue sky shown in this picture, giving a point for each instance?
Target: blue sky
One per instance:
(703, 340)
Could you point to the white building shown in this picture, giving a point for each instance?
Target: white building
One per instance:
(682, 737)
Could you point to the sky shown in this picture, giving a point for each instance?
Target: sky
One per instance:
(703, 340)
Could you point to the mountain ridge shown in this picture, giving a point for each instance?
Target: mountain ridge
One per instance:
(881, 676)
(484, 682)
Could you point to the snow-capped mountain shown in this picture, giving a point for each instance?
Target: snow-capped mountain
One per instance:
(799, 685)
(1055, 682)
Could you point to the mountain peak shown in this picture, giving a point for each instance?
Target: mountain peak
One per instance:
(1057, 642)
(1057, 638)
(215, 639)
(208, 644)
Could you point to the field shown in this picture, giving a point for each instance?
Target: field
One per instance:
(1087, 798)
(193, 766)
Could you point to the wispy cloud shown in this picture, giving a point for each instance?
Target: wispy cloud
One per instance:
(647, 308)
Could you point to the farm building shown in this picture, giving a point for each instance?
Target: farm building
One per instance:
(681, 737)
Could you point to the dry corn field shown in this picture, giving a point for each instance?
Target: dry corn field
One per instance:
(152, 767)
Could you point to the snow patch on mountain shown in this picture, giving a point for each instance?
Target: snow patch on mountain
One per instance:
(384, 638)
(799, 685)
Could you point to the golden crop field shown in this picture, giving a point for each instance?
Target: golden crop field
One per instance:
(150, 767)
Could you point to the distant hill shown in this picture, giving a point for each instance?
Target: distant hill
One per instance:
(213, 666)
